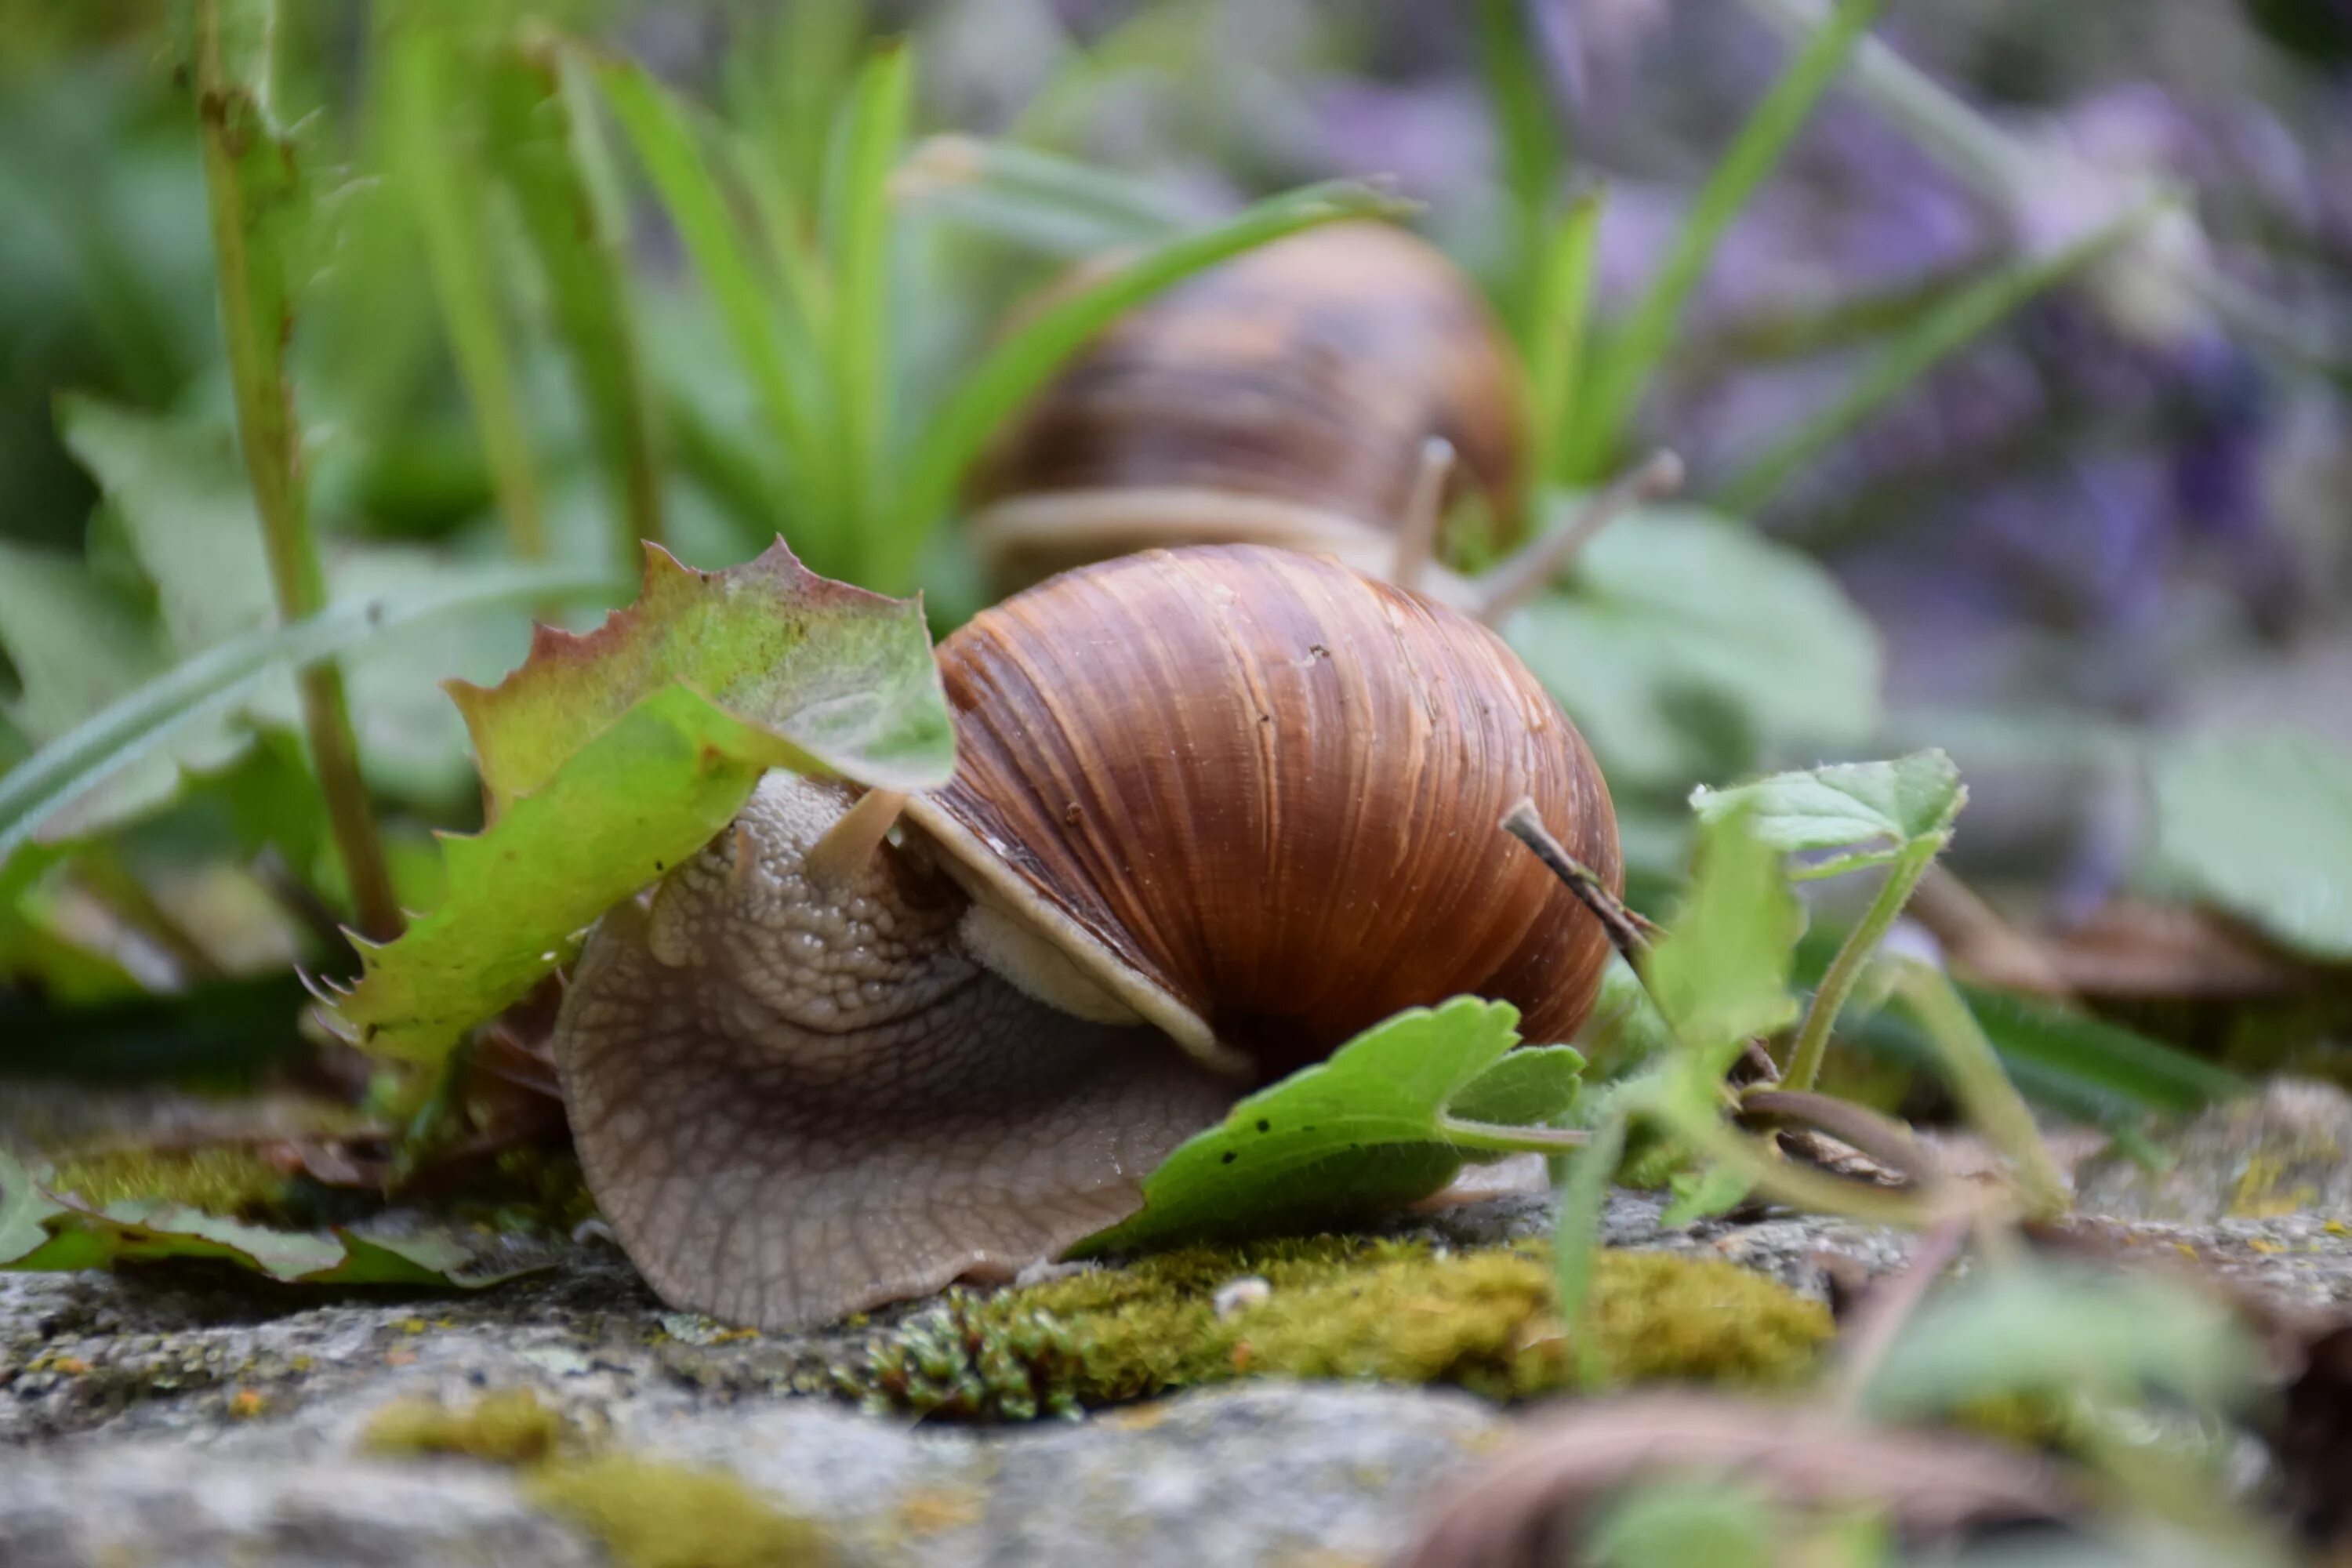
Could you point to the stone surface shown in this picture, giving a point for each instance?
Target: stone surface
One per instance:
(173, 1417)
(2285, 1150)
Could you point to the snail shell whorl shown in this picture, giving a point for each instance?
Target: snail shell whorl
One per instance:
(1301, 379)
(1271, 786)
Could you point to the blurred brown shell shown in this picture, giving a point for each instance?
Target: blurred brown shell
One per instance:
(1298, 383)
(1261, 792)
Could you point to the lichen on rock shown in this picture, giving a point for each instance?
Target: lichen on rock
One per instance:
(651, 1514)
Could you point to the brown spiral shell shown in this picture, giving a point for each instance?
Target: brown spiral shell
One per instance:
(1309, 373)
(1271, 786)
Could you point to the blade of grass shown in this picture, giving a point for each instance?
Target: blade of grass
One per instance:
(857, 244)
(257, 210)
(443, 185)
(1529, 134)
(663, 136)
(1557, 331)
(1624, 371)
(1038, 198)
(1582, 1197)
(553, 156)
(1990, 1101)
(1024, 361)
(1941, 331)
(216, 680)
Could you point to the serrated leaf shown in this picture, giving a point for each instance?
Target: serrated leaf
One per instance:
(1845, 805)
(2260, 826)
(1720, 974)
(1690, 646)
(844, 678)
(1350, 1136)
(629, 804)
(39, 1233)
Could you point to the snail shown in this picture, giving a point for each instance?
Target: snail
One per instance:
(1337, 391)
(1215, 810)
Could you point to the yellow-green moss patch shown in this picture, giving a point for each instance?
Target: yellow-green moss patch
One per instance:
(510, 1427)
(233, 1181)
(1334, 1308)
(653, 1515)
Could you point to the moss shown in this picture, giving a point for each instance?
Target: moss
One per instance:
(652, 1515)
(969, 1359)
(232, 1181)
(1337, 1307)
(510, 1427)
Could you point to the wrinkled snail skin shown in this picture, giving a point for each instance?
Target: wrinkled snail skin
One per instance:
(793, 1104)
(1215, 810)
(1283, 397)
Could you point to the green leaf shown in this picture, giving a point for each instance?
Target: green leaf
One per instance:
(611, 756)
(37, 1231)
(1720, 974)
(1027, 357)
(1527, 1088)
(1703, 1194)
(1689, 646)
(1350, 1136)
(2260, 826)
(1843, 806)
(843, 677)
(152, 730)
(2054, 1330)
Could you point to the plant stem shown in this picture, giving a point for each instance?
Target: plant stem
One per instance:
(1990, 1101)
(1495, 1138)
(1854, 954)
(1889, 1306)
(1628, 932)
(249, 183)
(1882, 1138)
(1711, 1139)
(1581, 1198)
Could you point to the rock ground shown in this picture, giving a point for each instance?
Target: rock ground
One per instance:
(174, 1418)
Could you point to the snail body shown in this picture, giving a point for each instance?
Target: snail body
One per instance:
(1215, 810)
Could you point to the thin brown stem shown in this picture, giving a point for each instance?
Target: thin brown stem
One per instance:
(1628, 931)
(1522, 576)
(1882, 1138)
(1889, 1305)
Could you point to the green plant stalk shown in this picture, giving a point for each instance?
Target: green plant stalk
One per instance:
(1853, 955)
(1625, 369)
(249, 220)
(1495, 1138)
(1558, 329)
(1024, 362)
(223, 676)
(447, 200)
(1949, 326)
(858, 247)
(1581, 1198)
(1990, 1101)
(1529, 135)
(941, 165)
(663, 135)
(1710, 1138)
(553, 158)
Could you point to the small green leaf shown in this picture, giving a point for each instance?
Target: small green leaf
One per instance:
(2053, 1331)
(1721, 973)
(1845, 806)
(1350, 1136)
(2260, 826)
(1689, 646)
(1526, 1089)
(1703, 1194)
